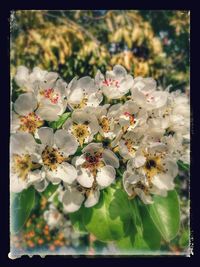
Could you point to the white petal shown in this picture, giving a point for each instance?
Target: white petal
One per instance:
(77, 161)
(94, 100)
(92, 147)
(85, 178)
(79, 116)
(41, 186)
(65, 172)
(22, 143)
(34, 177)
(92, 199)
(66, 142)
(163, 182)
(76, 96)
(48, 111)
(119, 71)
(144, 197)
(93, 125)
(16, 184)
(22, 76)
(15, 122)
(68, 124)
(105, 176)
(87, 84)
(123, 150)
(72, 200)
(139, 161)
(110, 158)
(25, 104)
(46, 136)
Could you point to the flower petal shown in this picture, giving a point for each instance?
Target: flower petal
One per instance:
(92, 198)
(25, 104)
(75, 96)
(110, 158)
(65, 172)
(72, 200)
(85, 178)
(66, 142)
(105, 176)
(22, 76)
(46, 136)
(48, 111)
(22, 143)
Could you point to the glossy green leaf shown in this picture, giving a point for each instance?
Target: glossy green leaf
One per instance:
(165, 214)
(59, 123)
(183, 166)
(21, 206)
(110, 218)
(77, 220)
(142, 235)
(51, 188)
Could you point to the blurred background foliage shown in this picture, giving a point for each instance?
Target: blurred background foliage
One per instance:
(146, 43)
(79, 42)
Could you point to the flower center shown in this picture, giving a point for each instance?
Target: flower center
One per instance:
(51, 95)
(153, 167)
(93, 162)
(30, 123)
(81, 132)
(22, 165)
(150, 164)
(52, 157)
(111, 82)
(131, 117)
(105, 124)
(130, 147)
(82, 104)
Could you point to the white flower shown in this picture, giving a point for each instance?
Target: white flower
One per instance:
(83, 93)
(55, 150)
(108, 119)
(96, 170)
(96, 166)
(24, 118)
(82, 126)
(116, 83)
(131, 118)
(151, 171)
(129, 144)
(53, 217)
(25, 166)
(48, 89)
(75, 195)
(145, 95)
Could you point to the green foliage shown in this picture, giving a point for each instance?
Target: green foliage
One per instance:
(21, 206)
(51, 188)
(108, 220)
(183, 166)
(165, 213)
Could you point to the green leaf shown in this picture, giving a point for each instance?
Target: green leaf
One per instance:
(51, 188)
(21, 206)
(109, 219)
(184, 240)
(165, 214)
(142, 235)
(59, 123)
(77, 220)
(183, 166)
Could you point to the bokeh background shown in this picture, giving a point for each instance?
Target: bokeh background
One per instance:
(78, 42)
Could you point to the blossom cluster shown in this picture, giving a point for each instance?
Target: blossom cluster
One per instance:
(117, 125)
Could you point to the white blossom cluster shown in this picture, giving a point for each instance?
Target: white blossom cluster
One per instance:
(117, 124)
